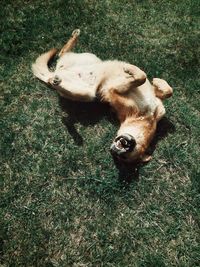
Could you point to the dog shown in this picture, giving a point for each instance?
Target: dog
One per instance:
(137, 102)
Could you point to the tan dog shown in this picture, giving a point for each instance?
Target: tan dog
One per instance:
(125, 87)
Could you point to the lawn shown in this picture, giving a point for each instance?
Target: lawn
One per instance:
(64, 201)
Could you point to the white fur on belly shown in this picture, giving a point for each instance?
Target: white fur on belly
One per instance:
(70, 60)
(86, 75)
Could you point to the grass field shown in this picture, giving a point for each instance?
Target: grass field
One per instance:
(64, 202)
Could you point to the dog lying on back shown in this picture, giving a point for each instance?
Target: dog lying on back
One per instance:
(137, 102)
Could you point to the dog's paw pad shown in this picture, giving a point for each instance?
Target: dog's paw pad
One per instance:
(76, 33)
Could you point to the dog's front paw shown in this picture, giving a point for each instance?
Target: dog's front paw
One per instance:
(76, 33)
(137, 76)
(128, 71)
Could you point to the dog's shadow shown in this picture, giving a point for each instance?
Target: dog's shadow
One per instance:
(87, 113)
(90, 114)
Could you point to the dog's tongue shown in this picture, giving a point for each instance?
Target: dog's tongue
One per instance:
(119, 144)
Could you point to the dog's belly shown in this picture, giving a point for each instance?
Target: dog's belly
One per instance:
(70, 60)
(85, 77)
(86, 74)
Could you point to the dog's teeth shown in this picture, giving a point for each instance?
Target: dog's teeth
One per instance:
(118, 142)
(119, 145)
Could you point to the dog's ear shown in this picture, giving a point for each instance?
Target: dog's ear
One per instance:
(146, 158)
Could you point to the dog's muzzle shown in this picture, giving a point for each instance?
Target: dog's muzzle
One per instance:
(122, 144)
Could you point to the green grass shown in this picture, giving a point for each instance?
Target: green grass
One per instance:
(64, 202)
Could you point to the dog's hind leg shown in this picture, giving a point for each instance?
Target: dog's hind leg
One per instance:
(70, 43)
(74, 90)
(162, 88)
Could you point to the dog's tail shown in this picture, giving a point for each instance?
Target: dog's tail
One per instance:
(40, 67)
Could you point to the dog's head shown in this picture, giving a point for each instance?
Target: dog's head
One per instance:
(133, 139)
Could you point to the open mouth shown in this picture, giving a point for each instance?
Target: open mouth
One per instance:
(123, 144)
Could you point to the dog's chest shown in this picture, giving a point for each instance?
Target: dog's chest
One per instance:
(144, 98)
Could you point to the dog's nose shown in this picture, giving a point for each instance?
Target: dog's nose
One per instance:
(56, 80)
(123, 144)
